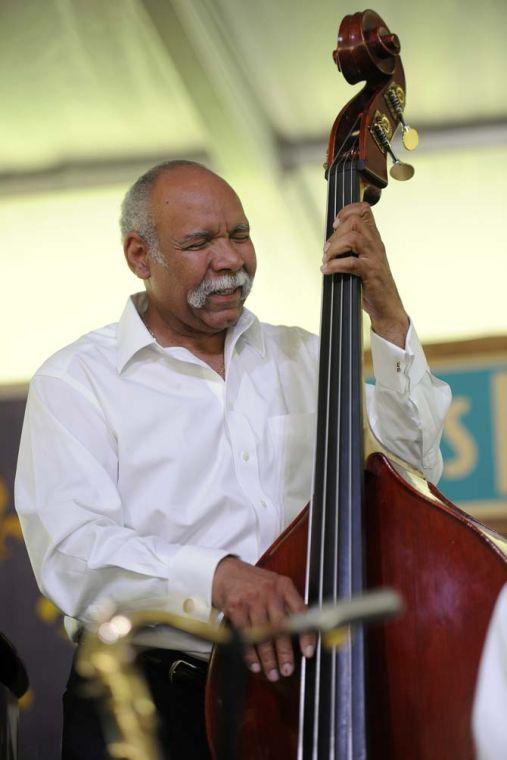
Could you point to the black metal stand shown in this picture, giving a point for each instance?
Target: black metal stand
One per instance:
(233, 680)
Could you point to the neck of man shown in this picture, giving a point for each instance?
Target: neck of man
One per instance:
(176, 333)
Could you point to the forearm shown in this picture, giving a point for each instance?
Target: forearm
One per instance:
(393, 328)
(408, 405)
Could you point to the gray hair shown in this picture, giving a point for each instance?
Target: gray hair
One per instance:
(135, 209)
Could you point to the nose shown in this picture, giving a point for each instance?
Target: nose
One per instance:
(226, 256)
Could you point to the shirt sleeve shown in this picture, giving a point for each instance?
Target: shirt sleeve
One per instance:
(81, 547)
(407, 405)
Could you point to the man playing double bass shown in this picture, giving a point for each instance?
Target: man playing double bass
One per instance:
(162, 455)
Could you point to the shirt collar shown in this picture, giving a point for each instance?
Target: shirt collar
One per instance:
(249, 328)
(133, 334)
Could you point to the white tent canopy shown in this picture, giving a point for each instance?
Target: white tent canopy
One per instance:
(93, 93)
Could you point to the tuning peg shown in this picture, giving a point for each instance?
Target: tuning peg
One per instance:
(401, 171)
(410, 137)
(398, 170)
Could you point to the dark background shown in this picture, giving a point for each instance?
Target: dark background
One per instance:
(31, 622)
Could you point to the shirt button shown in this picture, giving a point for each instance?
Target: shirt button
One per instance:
(188, 606)
(263, 504)
(245, 456)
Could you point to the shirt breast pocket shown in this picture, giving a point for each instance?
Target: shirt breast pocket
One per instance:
(292, 437)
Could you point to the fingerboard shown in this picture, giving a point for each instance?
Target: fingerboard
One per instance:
(332, 707)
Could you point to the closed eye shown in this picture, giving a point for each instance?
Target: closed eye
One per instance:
(196, 246)
(195, 243)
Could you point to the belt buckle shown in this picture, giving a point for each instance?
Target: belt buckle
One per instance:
(181, 670)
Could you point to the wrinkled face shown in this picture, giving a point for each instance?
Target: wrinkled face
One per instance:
(204, 245)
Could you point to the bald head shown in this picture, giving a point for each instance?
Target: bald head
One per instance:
(136, 209)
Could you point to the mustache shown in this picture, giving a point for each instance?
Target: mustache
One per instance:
(197, 296)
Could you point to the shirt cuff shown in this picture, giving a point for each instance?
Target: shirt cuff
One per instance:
(395, 368)
(190, 578)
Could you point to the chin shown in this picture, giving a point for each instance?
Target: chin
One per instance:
(223, 319)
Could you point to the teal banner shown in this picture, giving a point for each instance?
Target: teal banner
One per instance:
(474, 444)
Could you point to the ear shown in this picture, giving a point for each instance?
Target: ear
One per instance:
(136, 253)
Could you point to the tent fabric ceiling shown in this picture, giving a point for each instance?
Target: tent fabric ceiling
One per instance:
(453, 71)
(87, 80)
(94, 92)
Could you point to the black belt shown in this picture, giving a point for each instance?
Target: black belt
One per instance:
(180, 667)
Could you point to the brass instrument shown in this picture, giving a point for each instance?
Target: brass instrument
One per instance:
(107, 657)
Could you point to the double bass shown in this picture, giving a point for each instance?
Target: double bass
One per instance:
(403, 689)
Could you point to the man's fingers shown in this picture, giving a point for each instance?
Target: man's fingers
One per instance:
(285, 655)
(252, 661)
(239, 619)
(347, 265)
(265, 651)
(346, 257)
(308, 643)
(354, 223)
(361, 209)
(352, 241)
(269, 664)
(294, 602)
(283, 644)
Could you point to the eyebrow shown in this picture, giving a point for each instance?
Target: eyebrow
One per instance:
(196, 236)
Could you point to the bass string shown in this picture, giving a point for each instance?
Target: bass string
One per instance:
(333, 517)
(346, 284)
(339, 203)
(351, 657)
(348, 650)
(339, 680)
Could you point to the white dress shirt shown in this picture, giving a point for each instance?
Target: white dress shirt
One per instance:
(140, 468)
(490, 705)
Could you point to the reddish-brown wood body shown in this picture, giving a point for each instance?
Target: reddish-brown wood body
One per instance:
(269, 727)
(421, 668)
